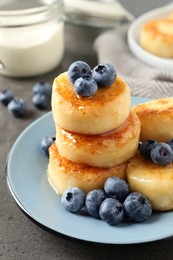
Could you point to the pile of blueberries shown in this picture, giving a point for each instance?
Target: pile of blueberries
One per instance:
(158, 152)
(87, 81)
(113, 204)
(17, 107)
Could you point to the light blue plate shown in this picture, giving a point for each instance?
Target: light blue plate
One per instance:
(27, 180)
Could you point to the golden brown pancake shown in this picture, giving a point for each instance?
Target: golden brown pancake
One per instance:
(157, 37)
(63, 173)
(106, 150)
(104, 111)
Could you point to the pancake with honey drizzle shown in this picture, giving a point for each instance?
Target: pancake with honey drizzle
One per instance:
(157, 37)
(156, 118)
(106, 150)
(104, 111)
(63, 173)
(155, 181)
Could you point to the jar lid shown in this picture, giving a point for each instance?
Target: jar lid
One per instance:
(97, 13)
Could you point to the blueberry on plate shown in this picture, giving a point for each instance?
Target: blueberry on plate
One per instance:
(73, 199)
(104, 74)
(42, 87)
(41, 101)
(116, 188)
(6, 96)
(85, 86)
(137, 207)
(17, 107)
(45, 143)
(93, 201)
(111, 211)
(162, 154)
(146, 147)
(77, 70)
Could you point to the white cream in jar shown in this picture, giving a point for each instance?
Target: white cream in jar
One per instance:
(31, 40)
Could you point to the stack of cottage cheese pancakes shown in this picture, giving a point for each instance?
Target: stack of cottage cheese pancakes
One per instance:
(98, 137)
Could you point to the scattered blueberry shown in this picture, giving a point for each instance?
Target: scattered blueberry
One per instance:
(116, 188)
(77, 70)
(43, 88)
(93, 201)
(170, 142)
(45, 143)
(146, 147)
(111, 211)
(85, 86)
(137, 207)
(6, 96)
(41, 101)
(73, 199)
(162, 154)
(104, 74)
(17, 107)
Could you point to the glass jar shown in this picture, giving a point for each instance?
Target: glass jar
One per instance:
(31, 36)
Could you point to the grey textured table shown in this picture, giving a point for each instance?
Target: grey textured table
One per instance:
(20, 238)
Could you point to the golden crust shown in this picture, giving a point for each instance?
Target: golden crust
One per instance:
(155, 181)
(104, 111)
(157, 37)
(106, 150)
(156, 118)
(63, 173)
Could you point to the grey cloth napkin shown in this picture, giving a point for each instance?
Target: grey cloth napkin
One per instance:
(144, 81)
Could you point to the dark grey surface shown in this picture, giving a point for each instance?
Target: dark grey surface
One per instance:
(20, 238)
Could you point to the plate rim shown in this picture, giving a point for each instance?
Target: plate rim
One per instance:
(46, 227)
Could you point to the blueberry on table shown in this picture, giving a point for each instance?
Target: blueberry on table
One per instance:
(104, 74)
(73, 199)
(111, 211)
(93, 201)
(85, 86)
(162, 154)
(6, 96)
(43, 88)
(41, 101)
(146, 147)
(45, 143)
(116, 188)
(17, 107)
(77, 70)
(137, 207)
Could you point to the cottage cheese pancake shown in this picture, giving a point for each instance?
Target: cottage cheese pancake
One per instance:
(106, 150)
(156, 119)
(63, 173)
(102, 112)
(155, 181)
(157, 37)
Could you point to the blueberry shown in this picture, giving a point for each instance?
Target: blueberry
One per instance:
(93, 201)
(42, 87)
(170, 142)
(137, 207)
(104, 75)
(6, 96)
(146, 147)
(41, 101)
(17, 107)
(85, 86)
(45, 143)
(162, 154)
(73, 199)
(77, 70)
(116, 188)
(111, 211)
